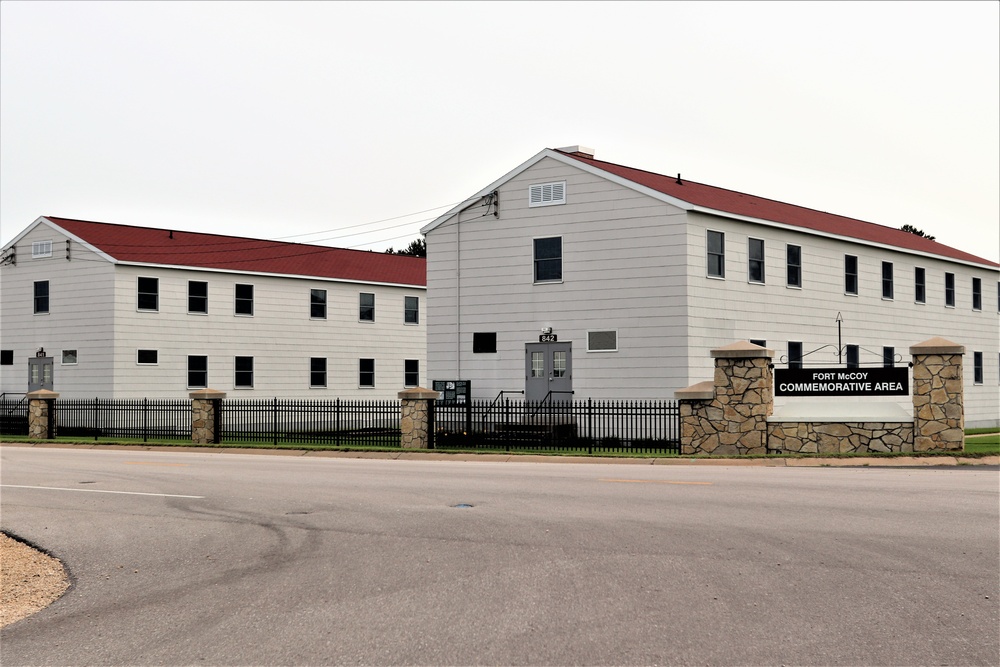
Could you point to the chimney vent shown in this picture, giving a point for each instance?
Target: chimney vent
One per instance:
(582, 151)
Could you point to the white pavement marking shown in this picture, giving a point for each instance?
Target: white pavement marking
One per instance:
(126, 493)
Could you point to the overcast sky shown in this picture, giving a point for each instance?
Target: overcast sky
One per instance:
(355, 124)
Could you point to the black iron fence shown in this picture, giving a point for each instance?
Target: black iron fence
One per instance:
(139, 418)
(13, 414)
(585, 426)
(588, 426)
(333, 422)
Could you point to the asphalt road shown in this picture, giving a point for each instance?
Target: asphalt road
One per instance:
(223, 559)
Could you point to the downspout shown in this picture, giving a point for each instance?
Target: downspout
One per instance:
(458, 285)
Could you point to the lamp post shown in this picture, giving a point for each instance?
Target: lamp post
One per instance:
(840, 348)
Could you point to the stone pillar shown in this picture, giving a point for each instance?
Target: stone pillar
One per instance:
(728, 415)
(41, 409)
(415, 421)
(203, 415)
(938, 396)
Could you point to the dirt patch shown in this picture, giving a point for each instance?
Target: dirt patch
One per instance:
(29, 580)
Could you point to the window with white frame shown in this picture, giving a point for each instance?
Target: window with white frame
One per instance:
(949, 290)
(793, 265)
(147, 357)
(919, 285)
(69, 357)
(888, 357)
(366, 372)
(853, 353)
(547, 194)
(317, 372)
(977, 367)
(850, 274)
(755, 260)
(887, 283)
(41, 297)
(977, 294)
(243, 373)
(794, 354)
(198, 297)
(548, 259)
(366, 307)
(716, 254)
(41, 249)
(411, 372)
(411, 310)
(243, 299)
(602, 341)
(148, 293)
(317, 304)
(197, 371)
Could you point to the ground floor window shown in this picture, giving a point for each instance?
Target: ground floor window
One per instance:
(317, 372)
(411, 372)
(197, 372)
(366, 372)
(243, 378)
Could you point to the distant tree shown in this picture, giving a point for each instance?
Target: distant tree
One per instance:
(417, 248)
(918, 232)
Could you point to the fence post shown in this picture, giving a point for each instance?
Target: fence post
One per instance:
(205, 419)
(41, 414)
(938, 396)
(415, 423)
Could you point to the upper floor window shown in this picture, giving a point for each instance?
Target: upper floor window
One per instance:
(317, 304)
(755, 260)
(853, 356)
(977, 294)
(919, 285)
(41, 249)
(548, 259)
(6, 357)
(716, 254)
(949, 289)
(198, 297)
(69, 357)
(243, 304)
(366, 310)
(243, 377)
(793, 265)
(411, 310)
(887, 289)
(41, 291)
(147, 357)
(411, 372)
(547, 194)
(602, 341)
(850, 274)
(148, 297)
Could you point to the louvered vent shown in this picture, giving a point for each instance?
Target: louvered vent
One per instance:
(547, 194)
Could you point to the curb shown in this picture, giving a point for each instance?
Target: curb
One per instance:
(412, 455)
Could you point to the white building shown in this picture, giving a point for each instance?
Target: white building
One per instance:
(635, 276)
(122, 311)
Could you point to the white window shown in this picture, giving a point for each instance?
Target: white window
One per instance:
(147, 357)
(602, 341)
(69, 357)
(716, 254)
(243, 376)
(411, 310)
(148, 294)
(41, 249)
(755, 261)
(547, 194)
(411, 372)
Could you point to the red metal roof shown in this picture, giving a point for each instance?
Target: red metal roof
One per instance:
(737, 203)
(128, 243)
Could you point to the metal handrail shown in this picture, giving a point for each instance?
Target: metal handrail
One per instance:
(541, 403)
(14, 407)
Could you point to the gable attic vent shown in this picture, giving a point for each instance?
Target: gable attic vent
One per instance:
(547, 194)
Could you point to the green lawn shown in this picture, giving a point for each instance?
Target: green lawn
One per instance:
(983, 444)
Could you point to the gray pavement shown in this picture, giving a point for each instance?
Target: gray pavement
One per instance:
(184, 558)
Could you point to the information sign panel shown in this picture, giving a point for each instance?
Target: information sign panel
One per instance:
(453, 392)
(841, 382)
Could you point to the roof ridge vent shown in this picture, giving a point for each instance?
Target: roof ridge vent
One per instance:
(581, 151)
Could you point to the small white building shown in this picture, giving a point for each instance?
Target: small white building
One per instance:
(570, 274)
(119, 311)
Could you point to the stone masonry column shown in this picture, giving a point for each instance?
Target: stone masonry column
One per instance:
(938, 396)
(414, 423)
(203, 415)
(729, 415)
(41, 409)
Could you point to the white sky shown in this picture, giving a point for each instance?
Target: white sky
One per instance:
(327, 119)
